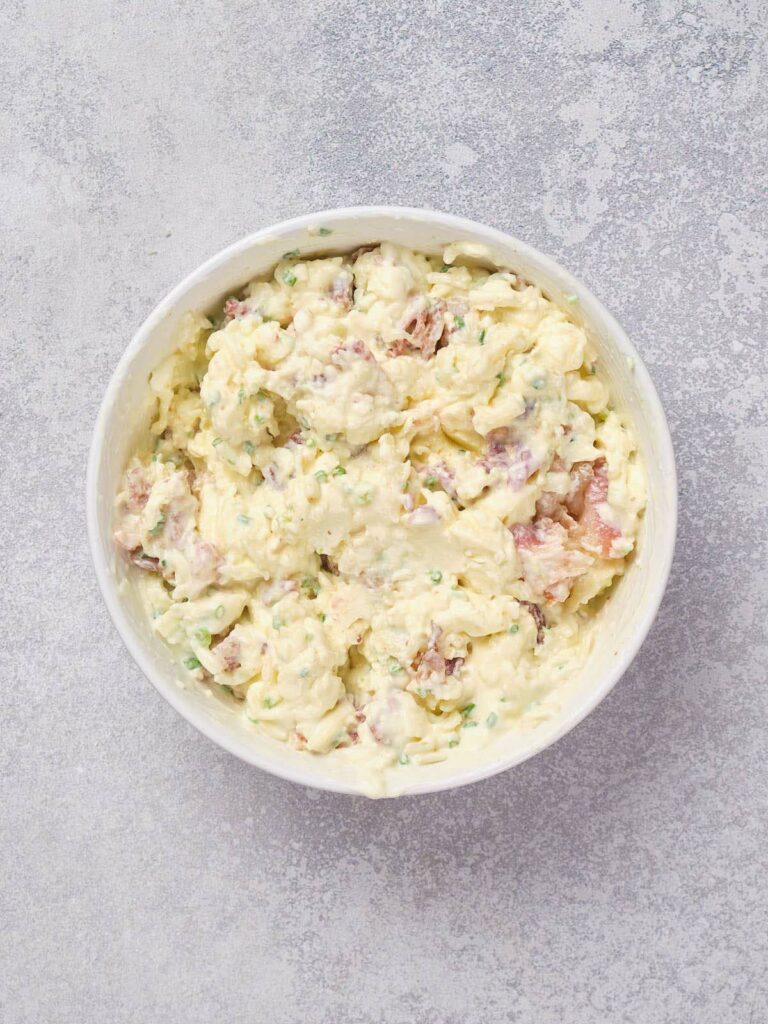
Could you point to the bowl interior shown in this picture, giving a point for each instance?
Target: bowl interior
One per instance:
(125, 415)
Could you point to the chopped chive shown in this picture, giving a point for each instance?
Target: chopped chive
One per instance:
(203, 636)
(592, 370)
(292, 254)
(277, 622)
(364, 498)
(217, 441)
(227, 688)
(243, 519)
(453, 743)
(219, 613)
(395, 668)
(241, 396)
(458, 322)
(248, 445)
(469, 724)
(258, 420)
(339, 471)
(514, 628)
(311, 584)
(191, 663)
(430, 482)
(467, 709)
(571, 298)
(500, 378)
(290, 278)
(436, 576)
(322, 616)
(444, 269)
(492, 719)
(538, 383)
(403, 759)
(268, 702)
(324, 232)
(482, 336)
(321, 475)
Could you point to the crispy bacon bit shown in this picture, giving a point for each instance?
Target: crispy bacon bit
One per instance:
(538, 617)
(341, 289)
(596, 534)
(229, 652)
(145, 562)
(581, 475)
(401, 347)
(270, 474)
(549, 566)
(297, 740)
(431, 665)
(235, 308)
(424, 326)
(341, 355)
(505, 452)
(139, 489)
(359, 714)
(296, 438)
(329, 565)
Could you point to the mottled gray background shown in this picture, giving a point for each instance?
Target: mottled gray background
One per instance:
(621, 876)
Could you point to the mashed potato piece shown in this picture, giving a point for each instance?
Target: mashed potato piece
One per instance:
(381, 493)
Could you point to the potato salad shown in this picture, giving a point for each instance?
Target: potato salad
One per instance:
(381, 494)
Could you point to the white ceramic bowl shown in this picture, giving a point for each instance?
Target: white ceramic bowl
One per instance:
(125, 412)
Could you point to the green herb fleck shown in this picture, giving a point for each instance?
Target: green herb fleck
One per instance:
(292, 254)
(453, 743)
(436, 576)
(290, 278)
(469, 724)
(339, 471)
(311, 584)
(481, 339)
(203, 636)
(191, 662)
(219, 613)
(458, 322)
(403, 759)
(364, 498)
(217, 441)
(572, 298)
(514, 628)
(444, 269)
(431, 482)
(395, 668)
(538, 383)
(227, 689)
(324, 232)
(258, 420)
(492, 719)
(243, 519)
(241, 396)
(277, 622)
(304, 673)
(467, 709)
(321, 475)
(248, 445)
(500, 378)
(593, 370)
(322, 616)
(268, 702)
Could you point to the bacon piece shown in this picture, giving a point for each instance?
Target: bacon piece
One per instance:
(505, 452)
(235, 308)
(139, 489)
(341, 289)
(431, 665)
(144, 561)
(538, 617)
(581, 475)
(595, 533)
(549, 566)
(228, 650)
(329, 565)
(424, 326)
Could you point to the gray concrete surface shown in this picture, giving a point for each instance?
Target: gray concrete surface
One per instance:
(621, 876)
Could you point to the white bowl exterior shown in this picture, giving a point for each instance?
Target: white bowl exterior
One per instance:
(125, 412)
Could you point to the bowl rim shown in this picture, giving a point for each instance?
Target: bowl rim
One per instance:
(205, 723)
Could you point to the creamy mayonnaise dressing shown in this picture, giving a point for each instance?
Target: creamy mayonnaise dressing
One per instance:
(381, 493)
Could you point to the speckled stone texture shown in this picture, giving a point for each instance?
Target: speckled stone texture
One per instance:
(621, 876)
